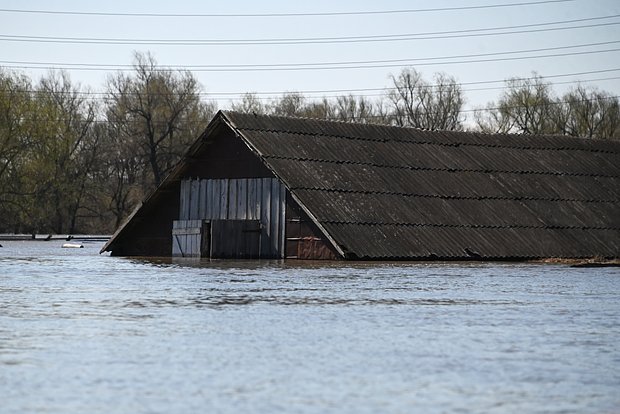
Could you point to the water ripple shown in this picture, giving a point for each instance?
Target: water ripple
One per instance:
(82, 332)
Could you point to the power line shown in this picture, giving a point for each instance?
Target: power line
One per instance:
(301, 64)
(387, 117)
(387, 37)
(549, 83)
(435, 60)
(104, 96)
(500, 31)
(307, 14)
(377, 94)
(270, 94)
(552, 103)
(370, 95)
(430, 86)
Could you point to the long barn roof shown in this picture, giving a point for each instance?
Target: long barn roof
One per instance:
(382, 192)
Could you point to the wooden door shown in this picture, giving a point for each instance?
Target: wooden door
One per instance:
(235, 239)
(190, 238)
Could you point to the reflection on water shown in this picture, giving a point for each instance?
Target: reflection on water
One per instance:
(80, 332)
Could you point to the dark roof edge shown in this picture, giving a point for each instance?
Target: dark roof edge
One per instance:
(306, 210)
(110, 242)
(166, 182)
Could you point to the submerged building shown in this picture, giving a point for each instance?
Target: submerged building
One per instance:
(255, 186)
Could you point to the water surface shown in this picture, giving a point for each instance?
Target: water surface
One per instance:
(80, 332)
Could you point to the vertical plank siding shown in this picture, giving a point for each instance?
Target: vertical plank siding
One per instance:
(282, 232)
(262, 199)
(265, 215)
(208, 208)
(184, 202)
(274, 216)
(235, 239)
(194, 197)
(242, 199)
(254, 197)
(202, 196)
(223, 199)
(215, 195)
(186, 238)
(232, 201)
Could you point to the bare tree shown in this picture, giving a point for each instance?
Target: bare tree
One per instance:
(250, 103)
(354, 109)
(159, 109)
(75, 161)
(588, 112)
(527, 106)
(16, 124)
(55, 177)
(290, 104)
(120, 175)
(415, 102)
(318, 109)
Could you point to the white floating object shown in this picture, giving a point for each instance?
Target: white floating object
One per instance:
(72, 246)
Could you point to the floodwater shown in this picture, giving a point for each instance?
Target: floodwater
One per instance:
(87, 333)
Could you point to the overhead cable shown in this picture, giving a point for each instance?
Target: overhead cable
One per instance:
(425, 61)
(299, 14)
(498, 31)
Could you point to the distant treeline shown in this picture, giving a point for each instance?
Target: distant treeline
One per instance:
(70, 163)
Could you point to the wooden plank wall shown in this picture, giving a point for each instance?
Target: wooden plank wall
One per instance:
(235, 239)
(261, 199)
(186, 238)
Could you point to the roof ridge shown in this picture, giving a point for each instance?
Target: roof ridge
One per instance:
(438, 143)
(336, 121)
(402, 127)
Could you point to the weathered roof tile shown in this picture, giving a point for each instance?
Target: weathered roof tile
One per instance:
(394, 193)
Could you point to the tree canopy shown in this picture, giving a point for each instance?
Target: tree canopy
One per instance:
(71, 163)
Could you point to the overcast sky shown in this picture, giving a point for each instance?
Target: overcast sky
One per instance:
(436, 41)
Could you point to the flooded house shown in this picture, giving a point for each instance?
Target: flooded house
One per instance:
(257, 186)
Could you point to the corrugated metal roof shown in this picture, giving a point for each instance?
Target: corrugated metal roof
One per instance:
(386, 192)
